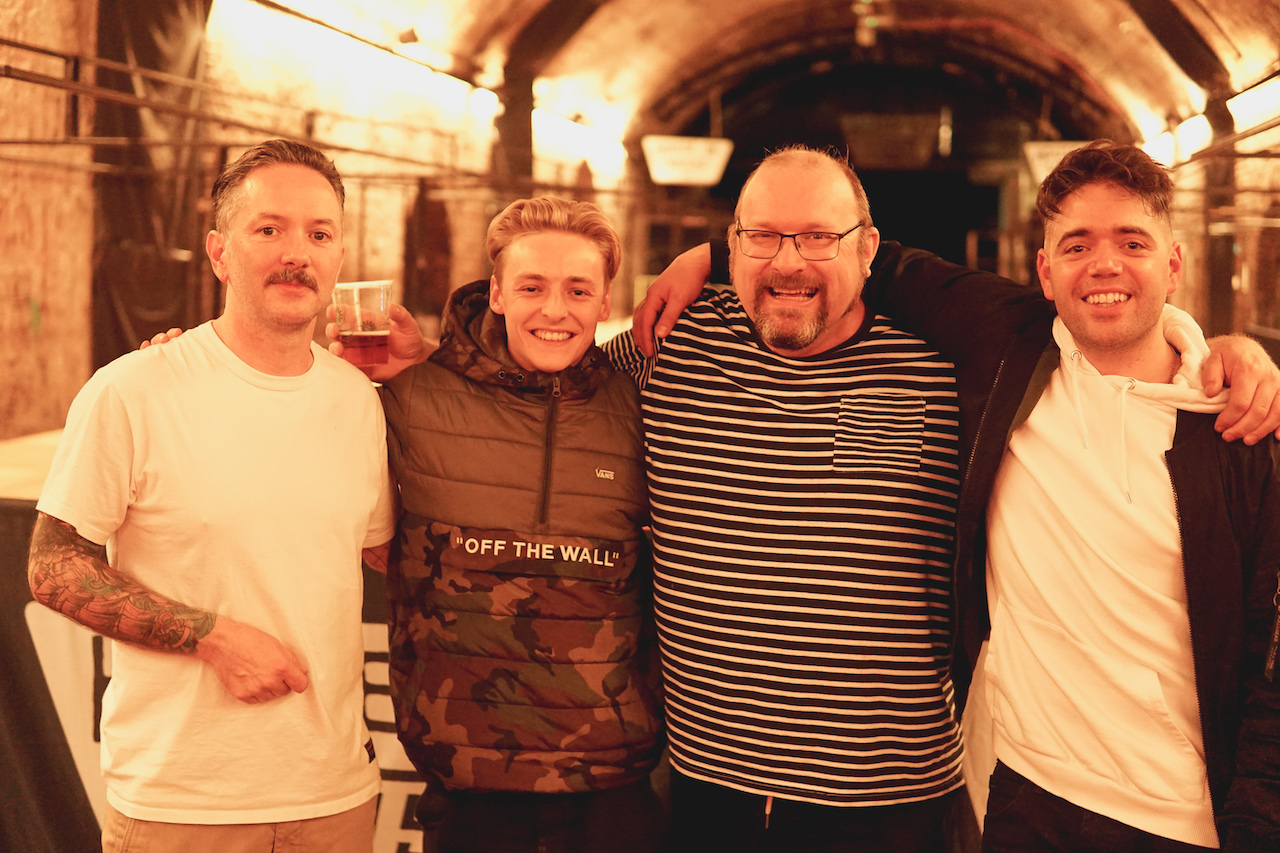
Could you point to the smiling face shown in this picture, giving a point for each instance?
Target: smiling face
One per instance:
(282, 249)
(551, 289)
(802, 307)
(1108, 264)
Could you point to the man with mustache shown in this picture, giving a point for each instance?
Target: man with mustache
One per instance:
(207, 509)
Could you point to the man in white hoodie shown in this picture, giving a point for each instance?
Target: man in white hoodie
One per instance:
(1131, 557)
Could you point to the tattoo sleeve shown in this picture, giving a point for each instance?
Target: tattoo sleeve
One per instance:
(377, 557)
(70, 574)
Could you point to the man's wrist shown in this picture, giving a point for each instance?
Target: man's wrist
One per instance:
(202, 639)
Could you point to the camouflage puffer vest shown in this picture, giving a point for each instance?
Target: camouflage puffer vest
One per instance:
(523, 656)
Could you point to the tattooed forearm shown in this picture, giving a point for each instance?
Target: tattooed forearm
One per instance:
(377, 557)
(70, 574)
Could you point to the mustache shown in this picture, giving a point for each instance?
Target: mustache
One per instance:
(291, 275)
(776, 280)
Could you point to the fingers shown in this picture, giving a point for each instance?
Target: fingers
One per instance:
(1237, 407)
(1251, 419)
(670, 314)
(1253, 407)
(642, 327)
(331, 332)
(1270, 424)
(297, 680)
(263, 695)
(161, 338)
(1260, 419)
(401, 317)
(290, 677)
(1213, 376)
(1237, 419)
(1253, 384)
(253, 665)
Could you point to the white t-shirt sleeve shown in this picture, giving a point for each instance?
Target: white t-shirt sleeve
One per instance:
(382, 521)
(91, 481)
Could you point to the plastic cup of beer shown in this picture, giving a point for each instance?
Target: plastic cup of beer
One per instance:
(364, 328)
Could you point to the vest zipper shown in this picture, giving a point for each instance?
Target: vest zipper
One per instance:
(544, 497)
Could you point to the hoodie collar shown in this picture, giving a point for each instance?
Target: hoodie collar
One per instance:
(474, 345)
(1184, 391)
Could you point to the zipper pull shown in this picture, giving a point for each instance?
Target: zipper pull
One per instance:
(768, 807)
(555, 385)
(1270, 670)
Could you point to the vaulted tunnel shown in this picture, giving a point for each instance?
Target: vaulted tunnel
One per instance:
(440, 111)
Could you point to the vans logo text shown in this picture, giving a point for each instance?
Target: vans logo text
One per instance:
(604, 474)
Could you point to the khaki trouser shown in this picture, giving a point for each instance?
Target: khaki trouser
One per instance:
(346, 832)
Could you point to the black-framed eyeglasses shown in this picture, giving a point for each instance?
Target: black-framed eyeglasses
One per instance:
(812, 245)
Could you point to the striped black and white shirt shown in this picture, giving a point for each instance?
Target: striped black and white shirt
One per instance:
(803, 517)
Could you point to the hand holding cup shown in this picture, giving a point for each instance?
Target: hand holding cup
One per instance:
(364, 326)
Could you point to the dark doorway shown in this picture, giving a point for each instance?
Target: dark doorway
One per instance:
(931, 210)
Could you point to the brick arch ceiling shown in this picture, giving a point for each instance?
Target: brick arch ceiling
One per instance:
(1124, 67)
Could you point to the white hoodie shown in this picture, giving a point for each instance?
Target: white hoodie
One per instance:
(1089, 671)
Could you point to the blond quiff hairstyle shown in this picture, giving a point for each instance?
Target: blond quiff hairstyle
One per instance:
(551, 213)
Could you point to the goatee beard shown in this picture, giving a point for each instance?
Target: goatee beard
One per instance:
(780, 335)
(784, 328)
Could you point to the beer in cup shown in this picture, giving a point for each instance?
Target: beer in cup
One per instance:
(363, 325)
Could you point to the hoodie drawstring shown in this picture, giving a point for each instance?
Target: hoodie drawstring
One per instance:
(1129, 385)
(1124, 443)
(1075, 397)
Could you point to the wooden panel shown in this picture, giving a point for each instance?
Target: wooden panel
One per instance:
(46, 224)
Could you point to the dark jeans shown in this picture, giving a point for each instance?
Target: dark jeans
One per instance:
(1023, 817)
(623, 820)
(707, 818)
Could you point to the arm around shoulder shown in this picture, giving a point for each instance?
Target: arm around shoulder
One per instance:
(1242, 366)
(670, 293)
(955, 308)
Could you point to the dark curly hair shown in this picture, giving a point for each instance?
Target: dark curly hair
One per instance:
(1105, 162)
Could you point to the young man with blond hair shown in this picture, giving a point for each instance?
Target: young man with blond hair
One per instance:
(523, 659)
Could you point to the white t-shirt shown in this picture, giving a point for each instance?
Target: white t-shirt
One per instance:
(248, 495)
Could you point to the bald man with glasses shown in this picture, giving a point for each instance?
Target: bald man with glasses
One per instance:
(803, 473)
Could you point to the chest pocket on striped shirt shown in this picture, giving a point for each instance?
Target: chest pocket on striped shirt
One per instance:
(880, 432)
